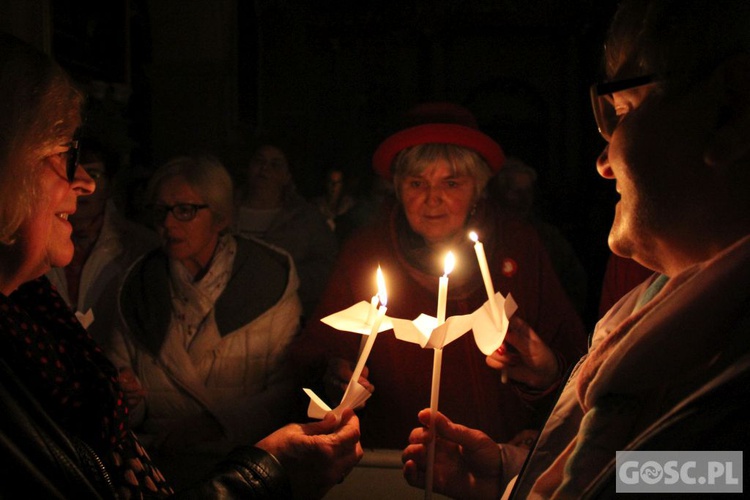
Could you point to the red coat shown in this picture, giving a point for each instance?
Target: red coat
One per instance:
(471, 393)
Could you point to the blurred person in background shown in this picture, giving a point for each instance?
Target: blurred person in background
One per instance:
(206, 320)
(515, 188)
(269, 208)
(105, 245)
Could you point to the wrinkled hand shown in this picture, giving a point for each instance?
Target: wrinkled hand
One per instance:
(338, 374)
(525, 357)
(525, 438)
(317, 455)
(467, 461)
(134, 392)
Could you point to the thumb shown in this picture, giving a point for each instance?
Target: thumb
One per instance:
(446, 429)
(326, 426)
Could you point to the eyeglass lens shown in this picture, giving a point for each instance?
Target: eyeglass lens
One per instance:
(604, 113)
(603, 103)
(183, 212)
(73, 155)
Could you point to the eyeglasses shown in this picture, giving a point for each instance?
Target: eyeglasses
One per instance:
(183, 212)
(604, 105)
(71, 161)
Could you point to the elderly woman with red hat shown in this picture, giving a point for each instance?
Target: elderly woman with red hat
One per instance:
(439, 168)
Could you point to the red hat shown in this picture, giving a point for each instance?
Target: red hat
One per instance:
(438, 122)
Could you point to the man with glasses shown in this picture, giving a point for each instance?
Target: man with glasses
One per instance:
(668, 364)
(105, 243)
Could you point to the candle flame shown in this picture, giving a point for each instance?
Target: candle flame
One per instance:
(473, 236)
(382, 294)
(450, 262)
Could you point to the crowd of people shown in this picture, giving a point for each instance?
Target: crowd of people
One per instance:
(168, 358)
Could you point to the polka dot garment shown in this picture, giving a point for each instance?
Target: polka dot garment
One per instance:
(61, 364)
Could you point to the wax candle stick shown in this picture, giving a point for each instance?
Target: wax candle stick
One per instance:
(371, 313)
(370, 339)
(373, 309)
(487, 278)
(437, 363)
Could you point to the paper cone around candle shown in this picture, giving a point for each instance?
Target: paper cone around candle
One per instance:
(487, 335)
(353, 399)
(424, 330)
(354, 319)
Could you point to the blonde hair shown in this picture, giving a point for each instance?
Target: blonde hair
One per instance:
(40, 107)
(207, 176)
(463, 161)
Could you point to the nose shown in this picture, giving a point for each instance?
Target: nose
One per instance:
(434, 195)
(82, 184)
(602, 164)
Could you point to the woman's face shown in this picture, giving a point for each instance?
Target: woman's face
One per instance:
(191, 242)
(44, 238)
(437, 201)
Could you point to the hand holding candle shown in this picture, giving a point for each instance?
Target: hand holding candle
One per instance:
(437, 362)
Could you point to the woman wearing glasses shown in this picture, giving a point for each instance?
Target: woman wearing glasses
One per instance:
(58, 393)
(206, 322)
(64, 426)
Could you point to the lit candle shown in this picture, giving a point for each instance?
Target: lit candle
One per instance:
(371, 312)
(370, 339)
(482, 259)
(437, 362)
(373, 308)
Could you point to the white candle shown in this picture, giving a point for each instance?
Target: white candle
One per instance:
(482, 259)
(450, 262)
(382, 296)
(437, 363)
(371, 313)
(373, 308)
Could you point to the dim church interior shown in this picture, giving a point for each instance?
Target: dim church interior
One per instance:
(170, 76)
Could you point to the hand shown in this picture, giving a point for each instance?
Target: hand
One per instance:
(317, 455)
(134, 392)
(525, 438)
(525, 357)
(338, 374)
(467, 461)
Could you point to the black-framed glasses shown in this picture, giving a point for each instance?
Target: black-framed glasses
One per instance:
(72, 155)
(183, 212)
(603, 103)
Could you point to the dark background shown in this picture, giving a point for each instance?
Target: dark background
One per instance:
(332, 77)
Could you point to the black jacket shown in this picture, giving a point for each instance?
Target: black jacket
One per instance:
(38, 459)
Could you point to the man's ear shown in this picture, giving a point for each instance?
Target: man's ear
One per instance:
(731, 140)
